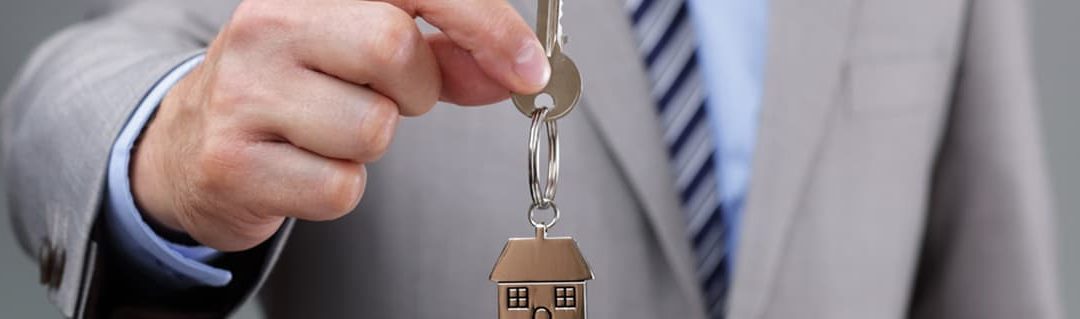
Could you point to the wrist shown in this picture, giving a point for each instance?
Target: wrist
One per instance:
(151, 185)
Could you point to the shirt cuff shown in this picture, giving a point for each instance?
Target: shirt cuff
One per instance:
(171, 263)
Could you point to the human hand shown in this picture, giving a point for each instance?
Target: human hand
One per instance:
(294, 97)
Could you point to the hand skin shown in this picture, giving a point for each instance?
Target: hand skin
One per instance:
(294, 97)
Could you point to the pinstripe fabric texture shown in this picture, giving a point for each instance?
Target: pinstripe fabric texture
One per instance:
(668, 45)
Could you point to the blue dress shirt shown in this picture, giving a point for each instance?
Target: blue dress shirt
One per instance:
(731, 35)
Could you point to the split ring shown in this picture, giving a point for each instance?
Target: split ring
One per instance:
(542, 206)
(543, 195)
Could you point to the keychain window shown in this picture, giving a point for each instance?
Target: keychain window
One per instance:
(564, 297)
(518, 298)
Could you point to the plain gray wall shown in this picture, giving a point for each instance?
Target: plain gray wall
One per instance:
(25, 23)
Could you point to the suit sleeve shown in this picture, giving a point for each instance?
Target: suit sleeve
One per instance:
(988, 249)
(58, 123)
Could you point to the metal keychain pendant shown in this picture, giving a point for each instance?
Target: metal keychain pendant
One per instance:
(542, 277)
(564, 87)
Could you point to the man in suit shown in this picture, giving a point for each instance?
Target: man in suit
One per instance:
(156, 155)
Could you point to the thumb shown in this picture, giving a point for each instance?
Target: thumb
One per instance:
(502, 44)
(464, 82)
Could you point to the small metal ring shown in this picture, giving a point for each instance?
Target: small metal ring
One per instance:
(542, 195)
(544, 205)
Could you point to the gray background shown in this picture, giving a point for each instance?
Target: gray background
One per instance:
(25, 23)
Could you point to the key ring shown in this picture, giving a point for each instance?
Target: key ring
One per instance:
(543, 196)
(544, 205)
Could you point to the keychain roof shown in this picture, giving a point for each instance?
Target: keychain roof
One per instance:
(541, 259)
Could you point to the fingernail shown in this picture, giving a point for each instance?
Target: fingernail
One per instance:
(531, 64)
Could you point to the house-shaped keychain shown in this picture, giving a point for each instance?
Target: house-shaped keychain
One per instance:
(541, 278)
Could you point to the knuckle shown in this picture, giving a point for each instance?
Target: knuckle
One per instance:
(233, 93)
(387, 10)
(228, 93)
(376, 131)
(397, 40)
(253, 19)
(343, 192)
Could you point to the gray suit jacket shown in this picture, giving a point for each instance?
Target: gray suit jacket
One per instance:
(898, 173)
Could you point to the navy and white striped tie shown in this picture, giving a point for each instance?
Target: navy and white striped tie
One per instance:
(666, 40)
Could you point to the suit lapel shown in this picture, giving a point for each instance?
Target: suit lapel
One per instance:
(805, 62)
(806, 54)
(618, 106)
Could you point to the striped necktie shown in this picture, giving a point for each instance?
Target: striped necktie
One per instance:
(666, 40)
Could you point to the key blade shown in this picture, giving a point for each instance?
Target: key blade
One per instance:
(549, 25)
(560, 38)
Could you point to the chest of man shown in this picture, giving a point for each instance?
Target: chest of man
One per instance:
(855, 97)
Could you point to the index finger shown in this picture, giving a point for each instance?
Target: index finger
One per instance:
(500, 40)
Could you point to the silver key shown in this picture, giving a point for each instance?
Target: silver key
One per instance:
(564, 88)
